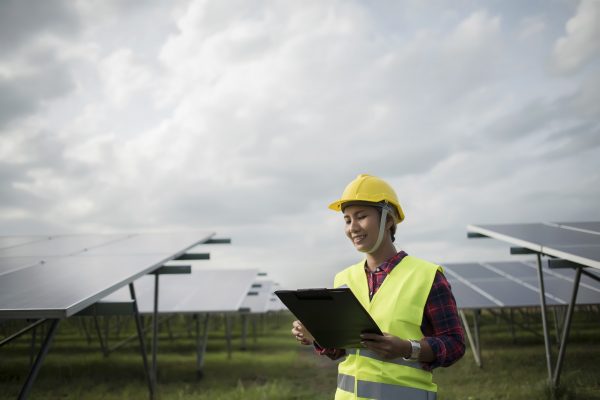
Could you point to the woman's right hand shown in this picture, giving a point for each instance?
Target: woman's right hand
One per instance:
(301, 334)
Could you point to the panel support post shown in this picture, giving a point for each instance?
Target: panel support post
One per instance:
(566, 328)
(103, 346)
(155, 329)
(35, 369)
(201, 342)
(244, 331)
(544, 321)
(228, 335)
(141, 336)
(474, 347)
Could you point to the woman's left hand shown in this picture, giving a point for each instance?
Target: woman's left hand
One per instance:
(387, 346)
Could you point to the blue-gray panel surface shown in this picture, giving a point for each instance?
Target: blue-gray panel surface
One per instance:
(592, 226)
(467, 298)
(573, 245)
(563, 289)
(148, 243)
(472, 271)
(544, 235)
(258, 303)
(514, 284)
(62, 286)
(516, 269)
(589, 252)
(202, 291)
(11, 241)
(513, 294)
(10, 264)
(60, 246)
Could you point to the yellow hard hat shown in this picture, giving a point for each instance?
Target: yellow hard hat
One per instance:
(370, 189)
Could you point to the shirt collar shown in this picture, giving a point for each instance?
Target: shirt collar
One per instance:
(388, 265)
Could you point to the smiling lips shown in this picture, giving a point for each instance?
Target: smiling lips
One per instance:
(358, 238)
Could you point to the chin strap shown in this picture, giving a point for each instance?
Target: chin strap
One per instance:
(384, 213)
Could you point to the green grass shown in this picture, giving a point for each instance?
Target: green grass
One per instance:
(276, 367)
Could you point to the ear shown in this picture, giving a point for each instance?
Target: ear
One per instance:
(389, 222)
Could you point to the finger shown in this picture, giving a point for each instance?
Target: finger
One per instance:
(372, 336)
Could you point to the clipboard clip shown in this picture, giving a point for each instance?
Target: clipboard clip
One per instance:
(313, 294)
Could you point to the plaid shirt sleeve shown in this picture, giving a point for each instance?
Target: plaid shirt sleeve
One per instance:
(334, 354)
(441, 325)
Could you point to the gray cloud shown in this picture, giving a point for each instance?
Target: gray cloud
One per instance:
(22, 21)
(24, 94)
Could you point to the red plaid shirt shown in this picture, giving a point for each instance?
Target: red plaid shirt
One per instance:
(441, 325)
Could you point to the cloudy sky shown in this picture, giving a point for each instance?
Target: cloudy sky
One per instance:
(248, 118)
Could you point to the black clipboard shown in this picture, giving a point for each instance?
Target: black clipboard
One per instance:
(334, 317)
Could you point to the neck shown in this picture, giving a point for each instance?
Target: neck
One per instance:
(386, 251)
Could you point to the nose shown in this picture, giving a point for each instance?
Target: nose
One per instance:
(353, 225)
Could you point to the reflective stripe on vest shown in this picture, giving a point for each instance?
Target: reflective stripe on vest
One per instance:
(382, 391)
(346, 383)
(375, 356)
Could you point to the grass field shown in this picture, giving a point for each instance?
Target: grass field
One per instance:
(276, 367)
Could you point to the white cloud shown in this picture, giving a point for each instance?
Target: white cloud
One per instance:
(124, 76)
(582, 40)
(531, 26)
(249, 119)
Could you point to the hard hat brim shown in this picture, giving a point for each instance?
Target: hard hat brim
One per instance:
(338, 205)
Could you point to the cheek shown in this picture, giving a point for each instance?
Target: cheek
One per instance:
(347, 230)
(370, 224)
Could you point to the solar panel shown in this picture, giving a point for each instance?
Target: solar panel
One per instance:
(148, 243)
(585, 255)
(258, 301)
(467, 298)
(10, 264)
(542, 234)
(590, 226)
(511, 284)
(59, 245)
(202, 291)
(582, 247)
(275, 303)
(62, 286)
(11, 241)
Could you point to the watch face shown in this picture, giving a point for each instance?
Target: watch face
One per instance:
(416, 349)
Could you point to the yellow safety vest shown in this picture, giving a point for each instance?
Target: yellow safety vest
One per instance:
(397, 307)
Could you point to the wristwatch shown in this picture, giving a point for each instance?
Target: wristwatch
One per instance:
(415, 350)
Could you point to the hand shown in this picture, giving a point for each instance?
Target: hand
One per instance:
(387, 346)
(301, 334)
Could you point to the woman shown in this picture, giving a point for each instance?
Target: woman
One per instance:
(409, 298)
